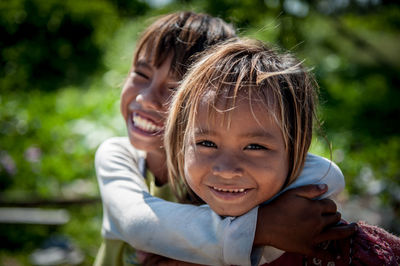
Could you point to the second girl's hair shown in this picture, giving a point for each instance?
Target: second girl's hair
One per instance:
(182, 35)
(252, 69)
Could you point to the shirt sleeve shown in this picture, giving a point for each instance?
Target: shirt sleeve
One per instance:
(319, 170)
(179, 231)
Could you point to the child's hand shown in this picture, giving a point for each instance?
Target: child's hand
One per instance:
(294, 222)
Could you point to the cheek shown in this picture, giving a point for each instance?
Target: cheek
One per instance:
(194, 168)
(165, 105)
(189, 163)
(125, 99)
(271, 174)
(270, 184)
(167, 97)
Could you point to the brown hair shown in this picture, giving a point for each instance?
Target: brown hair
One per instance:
(244, 66)
(181, 34)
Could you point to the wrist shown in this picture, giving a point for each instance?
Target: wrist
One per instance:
(263, 235)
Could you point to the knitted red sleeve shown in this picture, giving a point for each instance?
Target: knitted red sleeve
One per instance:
(372, 245)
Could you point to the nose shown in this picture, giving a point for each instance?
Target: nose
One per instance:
(150, 99)
(227, 167)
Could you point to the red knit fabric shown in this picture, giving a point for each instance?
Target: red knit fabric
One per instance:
(374, 246)
(369, 246)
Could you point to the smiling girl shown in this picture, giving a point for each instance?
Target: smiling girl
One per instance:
(238, 134)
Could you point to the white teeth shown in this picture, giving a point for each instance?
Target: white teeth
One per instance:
(145, 125)
(229, 190)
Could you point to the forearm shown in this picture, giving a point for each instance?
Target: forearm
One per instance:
(198, 235)
(182, 232)
(319, 170)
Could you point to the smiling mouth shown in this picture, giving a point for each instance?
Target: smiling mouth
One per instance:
(145, 125)
(228, 190)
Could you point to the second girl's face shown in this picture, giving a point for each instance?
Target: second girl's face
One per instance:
(144, 103)
(233, 169)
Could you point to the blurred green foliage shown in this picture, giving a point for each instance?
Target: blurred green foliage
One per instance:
(63, 62)
(48, 44)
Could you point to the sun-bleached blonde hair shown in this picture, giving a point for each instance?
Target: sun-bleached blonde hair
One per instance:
(243, 67)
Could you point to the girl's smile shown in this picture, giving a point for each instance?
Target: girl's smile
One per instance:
(145, 125)
(229, 194)
(229, 190)
(234, 167)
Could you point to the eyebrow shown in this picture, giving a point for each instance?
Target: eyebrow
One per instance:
(249, 135)
(171, 76)
(202, 131)
(259, 134)
(142, 63)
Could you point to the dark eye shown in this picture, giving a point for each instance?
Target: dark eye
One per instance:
(206, 143)
(255, 146)
(140, 74)
(172, 85)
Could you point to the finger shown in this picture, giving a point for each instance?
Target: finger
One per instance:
(310, 191)
(330, 220)
(336, 233)
(328, 206)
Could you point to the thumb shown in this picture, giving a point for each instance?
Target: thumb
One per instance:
(311, 191)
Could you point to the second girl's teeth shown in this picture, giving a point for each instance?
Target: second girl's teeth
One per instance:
(238, 190)
(145, 125)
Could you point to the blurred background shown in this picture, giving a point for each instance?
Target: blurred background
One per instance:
(62, 64)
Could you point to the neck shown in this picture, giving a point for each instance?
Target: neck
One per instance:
(156, 163)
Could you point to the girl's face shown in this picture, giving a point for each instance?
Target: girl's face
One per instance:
(144, 103)
(234, 169)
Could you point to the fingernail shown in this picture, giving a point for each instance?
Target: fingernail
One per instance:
(322, 186)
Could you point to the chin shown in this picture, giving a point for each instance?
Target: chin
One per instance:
(146, 145)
